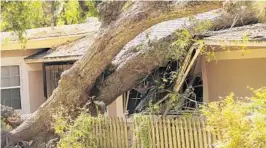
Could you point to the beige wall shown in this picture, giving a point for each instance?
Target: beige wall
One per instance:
(111, 110)
(30, 78)
(224, 76)
(115, 109)
(36, 94)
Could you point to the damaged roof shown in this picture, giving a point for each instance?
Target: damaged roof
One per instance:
(254, 34)
(67, 52)
(74, 50)
(70, 51)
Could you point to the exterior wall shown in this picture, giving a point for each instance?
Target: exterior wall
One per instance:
(111, 109)
(235, 75)
(36, 94)
(115, 109)
(30, 79)
(119, 107)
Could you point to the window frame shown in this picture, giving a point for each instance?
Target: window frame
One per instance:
(14, 87)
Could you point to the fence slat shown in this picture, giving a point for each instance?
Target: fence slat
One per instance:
(111, 142)
(112, 133)
(186, 132)
(166, 144)
(152, 132)
(161, 133)
(214, 135)
(182, 133)
(119, 144)
(200, 131)
(100, 136)
(190, 132)
(122, 132)
(96, 131)
(157, 134)
(204, 132)
(150, 138)
(134, 140)
(209, 137)
(168, 124)
(137, 142)
(194, 121)
(105, 131)
(174, 133)
(178, 132)
(126, 133)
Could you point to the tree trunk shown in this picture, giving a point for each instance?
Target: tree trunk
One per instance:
(77, 81)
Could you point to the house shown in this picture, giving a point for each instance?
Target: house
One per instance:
(30, 74)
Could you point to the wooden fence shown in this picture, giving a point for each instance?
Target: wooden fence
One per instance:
(182, 132)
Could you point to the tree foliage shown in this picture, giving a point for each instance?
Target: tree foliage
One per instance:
(242, 122)
(74, 12)
(18, 16)
(75, 133)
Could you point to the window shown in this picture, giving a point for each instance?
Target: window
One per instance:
(10, 86)
(52, 73)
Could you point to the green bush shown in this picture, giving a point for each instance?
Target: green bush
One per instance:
(77, 133)
(242, 122)
(142, 129)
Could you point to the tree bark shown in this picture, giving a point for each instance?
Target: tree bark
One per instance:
(109, 11)
(78, 80)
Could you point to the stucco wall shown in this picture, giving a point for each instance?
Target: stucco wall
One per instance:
(224, 76)
(115, 109)
(30, 78)
(36, 94)
(111, 109)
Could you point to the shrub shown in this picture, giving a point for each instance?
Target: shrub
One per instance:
(142, 130)
(242, 122)
(77, 133)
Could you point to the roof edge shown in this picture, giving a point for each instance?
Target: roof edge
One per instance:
(251, 43)
(57, 59)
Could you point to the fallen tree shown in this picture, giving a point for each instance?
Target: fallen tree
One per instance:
(75, 86)
(75, 83)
